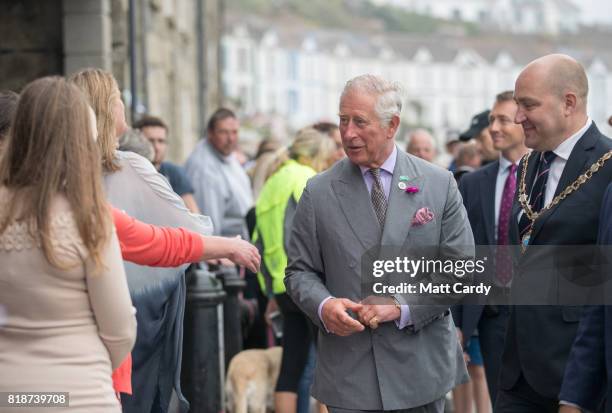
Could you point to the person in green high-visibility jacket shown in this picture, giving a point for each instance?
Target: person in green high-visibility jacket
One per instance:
(311, 152)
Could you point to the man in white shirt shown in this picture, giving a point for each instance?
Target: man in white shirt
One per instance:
(487, 195)
(551, 93)
(222, 187)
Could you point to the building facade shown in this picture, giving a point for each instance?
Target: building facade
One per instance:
(298, 74)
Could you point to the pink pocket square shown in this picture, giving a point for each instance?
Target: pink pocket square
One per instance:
(422, 217)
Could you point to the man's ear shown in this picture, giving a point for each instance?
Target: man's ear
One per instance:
(393, 126)
(570, 103)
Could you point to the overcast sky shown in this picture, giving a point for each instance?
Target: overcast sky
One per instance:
(596, 11)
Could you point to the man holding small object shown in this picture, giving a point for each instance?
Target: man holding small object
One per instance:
(371, 351)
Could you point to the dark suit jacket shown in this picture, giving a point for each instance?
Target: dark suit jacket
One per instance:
(588, 375)
(478, 192)
(539, 338)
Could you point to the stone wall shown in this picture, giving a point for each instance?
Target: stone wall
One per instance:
(174, 80)
(169, 72)
(31, 43)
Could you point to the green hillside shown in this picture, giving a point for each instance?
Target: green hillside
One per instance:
(355, 15)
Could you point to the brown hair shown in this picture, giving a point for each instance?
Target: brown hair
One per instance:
(219, 115)
(466, 153)
(504, 96)
(148, 121)
(8, 103)
(267, 146)
(101, 89)
(326, 127)
(51, 151)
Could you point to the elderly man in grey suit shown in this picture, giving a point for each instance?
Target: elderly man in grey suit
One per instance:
(395, 356)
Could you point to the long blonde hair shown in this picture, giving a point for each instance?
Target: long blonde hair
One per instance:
(310, 147)
(101, 90)
(51, 151)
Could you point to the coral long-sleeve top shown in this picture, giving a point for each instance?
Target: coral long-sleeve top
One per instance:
(146, 244)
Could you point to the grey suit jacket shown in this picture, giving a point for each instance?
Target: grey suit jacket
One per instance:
(335, 224)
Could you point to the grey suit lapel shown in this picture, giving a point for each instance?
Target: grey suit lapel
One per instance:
(402, 206)
(354, 200)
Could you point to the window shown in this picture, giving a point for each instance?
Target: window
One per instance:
(518, 15)
(243, 96)
(223, 57)
(483, 16)
(292, 102)
(243, 60)
(292, 67)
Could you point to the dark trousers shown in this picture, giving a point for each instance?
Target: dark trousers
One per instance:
(523, 399)
(492, 334)
(297, 337)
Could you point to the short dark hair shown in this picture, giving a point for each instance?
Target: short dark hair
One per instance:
(150, 121)
(504, 96)
(326, 127)
(219, 115)
(8, 105)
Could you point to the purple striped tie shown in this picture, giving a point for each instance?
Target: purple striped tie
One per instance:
(503, 262)
(538, 190)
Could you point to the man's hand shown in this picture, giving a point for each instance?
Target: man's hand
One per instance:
(568, 409)
(335, 318)
(460, 337)
(378, 310)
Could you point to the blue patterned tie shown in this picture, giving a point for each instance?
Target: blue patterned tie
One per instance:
(538, 190)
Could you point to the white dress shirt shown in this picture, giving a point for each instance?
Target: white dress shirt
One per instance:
(563, 152)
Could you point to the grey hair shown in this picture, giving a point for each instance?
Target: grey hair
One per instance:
(134, 141)
(389, 95)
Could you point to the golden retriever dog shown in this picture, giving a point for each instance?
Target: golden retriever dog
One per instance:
(251, 379)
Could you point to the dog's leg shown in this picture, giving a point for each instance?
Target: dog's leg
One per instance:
(240, 397)
(257, 397)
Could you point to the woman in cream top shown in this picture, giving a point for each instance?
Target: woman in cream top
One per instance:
(69, 318)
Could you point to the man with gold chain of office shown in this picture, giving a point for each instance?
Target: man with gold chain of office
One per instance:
(560, 189)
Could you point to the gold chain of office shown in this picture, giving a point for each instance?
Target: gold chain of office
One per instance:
(581, 180)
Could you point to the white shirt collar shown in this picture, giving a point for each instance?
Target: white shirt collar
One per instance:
(503, 164)
(564, 150)
(388, 165)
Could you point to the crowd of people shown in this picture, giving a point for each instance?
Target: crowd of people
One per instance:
(97, 229)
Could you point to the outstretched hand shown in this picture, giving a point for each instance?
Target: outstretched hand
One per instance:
(244, 253)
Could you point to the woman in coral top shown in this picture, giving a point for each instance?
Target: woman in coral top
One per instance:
(146, 244)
